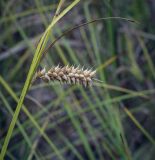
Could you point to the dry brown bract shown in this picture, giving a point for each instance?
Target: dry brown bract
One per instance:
(68, 74)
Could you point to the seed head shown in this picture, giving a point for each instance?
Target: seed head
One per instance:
(68, 74)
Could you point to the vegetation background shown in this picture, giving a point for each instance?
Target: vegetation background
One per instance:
(111, 120)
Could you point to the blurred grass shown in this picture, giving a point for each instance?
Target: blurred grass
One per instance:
(72, 122)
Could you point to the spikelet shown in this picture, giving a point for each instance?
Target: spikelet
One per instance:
(68, 74)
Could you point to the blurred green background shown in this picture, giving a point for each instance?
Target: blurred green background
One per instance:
(112, 120)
